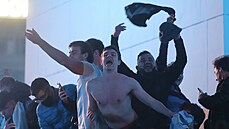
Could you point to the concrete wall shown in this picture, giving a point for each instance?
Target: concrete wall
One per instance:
(62, 21)
(12, 48)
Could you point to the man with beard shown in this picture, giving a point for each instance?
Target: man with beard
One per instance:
(53, 104)
(154, 76)
(111, 95)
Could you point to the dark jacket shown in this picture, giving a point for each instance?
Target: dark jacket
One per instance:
(218, 105)
(156, 83)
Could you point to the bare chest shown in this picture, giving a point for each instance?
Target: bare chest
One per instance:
(111, 93)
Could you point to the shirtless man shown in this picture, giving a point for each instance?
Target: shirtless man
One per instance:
(111, 94)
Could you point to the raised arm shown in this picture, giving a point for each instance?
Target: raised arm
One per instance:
(117, 31)
(177, 67)
(73, 65)
(181, 57)
(161, 60)
(144, 97)
(122, 68)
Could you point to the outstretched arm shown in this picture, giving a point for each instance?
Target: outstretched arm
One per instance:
(144, 97)
(73, 65)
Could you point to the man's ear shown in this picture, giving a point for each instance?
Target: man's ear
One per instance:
(85, 55)
(220, 69)
(119, 62)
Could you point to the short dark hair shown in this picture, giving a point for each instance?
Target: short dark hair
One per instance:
(5, 97)
(96, 45)
(38, 84)
(143, 52)
(7, 81)
(196, 111)
(113, 48)
(222, 62)
(85, 48)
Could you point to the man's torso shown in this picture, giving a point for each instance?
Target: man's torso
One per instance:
(112, 96)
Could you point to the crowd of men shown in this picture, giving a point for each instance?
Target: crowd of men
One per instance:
(109, 95)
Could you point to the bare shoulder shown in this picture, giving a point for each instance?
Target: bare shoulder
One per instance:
(127, 79)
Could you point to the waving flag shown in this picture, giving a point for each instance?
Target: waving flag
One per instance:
(138, 13)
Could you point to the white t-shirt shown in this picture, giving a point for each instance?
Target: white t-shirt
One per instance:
(82, 99)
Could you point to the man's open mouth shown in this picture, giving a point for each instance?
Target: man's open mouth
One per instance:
(109, 62)
(147, 65)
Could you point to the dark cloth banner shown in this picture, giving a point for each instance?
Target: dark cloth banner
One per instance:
(138, 13)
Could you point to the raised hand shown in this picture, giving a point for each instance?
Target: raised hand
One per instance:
(33, 36)
(118, 29)
(171, 18)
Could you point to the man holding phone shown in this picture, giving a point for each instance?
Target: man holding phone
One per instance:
(218, 104)
(53, 108)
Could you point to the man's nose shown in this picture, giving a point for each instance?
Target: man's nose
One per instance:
(147, 61)
(108, 55)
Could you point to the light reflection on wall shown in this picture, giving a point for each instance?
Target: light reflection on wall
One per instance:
(13, 8)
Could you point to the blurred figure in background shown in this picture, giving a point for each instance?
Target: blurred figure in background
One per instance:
(13, 111)
(21, 92)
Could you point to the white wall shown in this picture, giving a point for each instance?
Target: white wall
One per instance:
(226, 26)
(62, 21)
